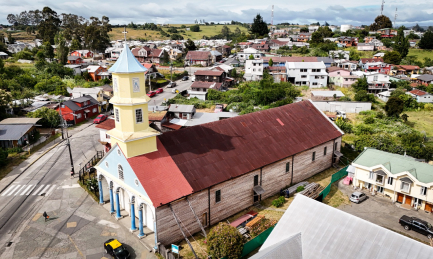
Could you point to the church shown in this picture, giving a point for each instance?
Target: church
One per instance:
(177, 183)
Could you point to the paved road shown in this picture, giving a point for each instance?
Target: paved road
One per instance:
(77, 227)
(167, 94)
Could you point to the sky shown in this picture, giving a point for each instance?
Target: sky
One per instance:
(335, 12)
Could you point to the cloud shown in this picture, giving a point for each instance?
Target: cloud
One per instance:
(186, 11)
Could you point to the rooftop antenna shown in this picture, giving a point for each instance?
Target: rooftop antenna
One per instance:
(272, 16)
(395, 17)
(124, 32)
(381, 9)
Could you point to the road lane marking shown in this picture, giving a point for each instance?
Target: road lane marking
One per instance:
(10, 189)
(51, 189)
(30, 191)
(44, 190)
(26, 189)
(19, 189)
(37, 190)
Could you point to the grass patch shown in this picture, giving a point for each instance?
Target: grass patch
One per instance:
(336, 198)
(421, 121)
(420, 54)
(17, 158)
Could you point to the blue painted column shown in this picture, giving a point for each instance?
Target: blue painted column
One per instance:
(111, 201)
(118, 216)
(140, 222)
(133, 227)
(156, 235)
(101, 194)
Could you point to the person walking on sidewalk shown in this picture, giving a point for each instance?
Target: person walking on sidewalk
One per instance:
(72, 173)
(46, 216)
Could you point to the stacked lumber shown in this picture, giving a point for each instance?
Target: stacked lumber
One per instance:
(312, 190)
(255, 221)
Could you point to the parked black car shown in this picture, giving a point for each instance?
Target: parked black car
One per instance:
(185, 78)
(417, 225)
(114, 248)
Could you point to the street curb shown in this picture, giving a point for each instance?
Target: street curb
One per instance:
(25, 169)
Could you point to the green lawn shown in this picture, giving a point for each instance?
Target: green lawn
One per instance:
(421, 54)
(421, 121)
(209, 30)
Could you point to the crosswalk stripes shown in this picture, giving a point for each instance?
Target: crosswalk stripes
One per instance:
(20, 190)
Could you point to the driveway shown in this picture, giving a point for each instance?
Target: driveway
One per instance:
(381, 211)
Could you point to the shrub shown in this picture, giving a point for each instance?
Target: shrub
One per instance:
(14, 150)
(380, 115)
(224, 240)
(428, 106)
(278, 202)
(261, 226)
(300, 188)
(3, 157)
(369, 120)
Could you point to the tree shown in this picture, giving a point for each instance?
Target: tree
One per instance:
(96, 34)
(363, 96)
(3, 157)
(304, 30)
(225, 31)
(224, 241)
(251, 57)
(392, 57)
(360, 84)
(401, 44)
(387, 42)
(5, 100)
(353, 55)
(62, 49)
(49, 118)
(418, 28)
(381, 22)
(190, 45)
(49, 26)
(165, 58)
(259, 27)
(316, 38)
(48, 50)
(75, 44)
(271, 62)
(394, 106)
(194, 28)
(426, 41)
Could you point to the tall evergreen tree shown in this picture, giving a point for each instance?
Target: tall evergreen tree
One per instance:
(401, 43)
(259, 27)
(426, 41)
(49, 25)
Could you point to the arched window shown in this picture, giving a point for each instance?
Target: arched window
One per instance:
(120, 171)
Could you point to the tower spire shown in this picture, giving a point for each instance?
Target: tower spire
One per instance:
(124, 32)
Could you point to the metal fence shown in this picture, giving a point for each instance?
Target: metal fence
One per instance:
(86, 170)
(335, 177)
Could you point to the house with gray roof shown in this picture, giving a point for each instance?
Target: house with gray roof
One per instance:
(16, 132)
(401, 178)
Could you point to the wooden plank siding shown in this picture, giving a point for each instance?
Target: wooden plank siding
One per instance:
(237, 194)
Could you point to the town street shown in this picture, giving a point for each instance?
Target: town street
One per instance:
(158, 99)
(47, 186)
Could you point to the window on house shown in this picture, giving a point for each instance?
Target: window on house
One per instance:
(303, 70)
(116, 114)
(390, 180)
(94, 110)
(63, 106)
(379, 179)
(324, 150)
(368, 185)
(375, 78)
(120, 172)
(78, 115)
(303, 76)
(371, 175)
(287, 167)
(318, 70)
(316, 77)
(314, 83)
(138, 116)
(423, 190)
(338, 73)
(314, 156)
(379, 189)
(336, 145)
(217, 196)
(313, 70)
(256, 180)
(405, 187)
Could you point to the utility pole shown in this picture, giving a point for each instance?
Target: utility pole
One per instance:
(395, 18)
(68, 143)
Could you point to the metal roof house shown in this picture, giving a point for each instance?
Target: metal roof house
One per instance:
(16, 131)
(313, 230)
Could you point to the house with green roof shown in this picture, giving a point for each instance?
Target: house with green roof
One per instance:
(401, 178)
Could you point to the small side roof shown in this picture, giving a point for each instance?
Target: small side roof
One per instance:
(180, 108)
(18, 121)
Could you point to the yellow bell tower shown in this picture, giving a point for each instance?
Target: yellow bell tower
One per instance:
(132, 132)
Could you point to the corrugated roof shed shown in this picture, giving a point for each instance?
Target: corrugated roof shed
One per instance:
(211, 153)
(11, 121)
(13, 132)
(329, 233)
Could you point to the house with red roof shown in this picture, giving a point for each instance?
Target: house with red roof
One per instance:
(421, 96)
(83, 53)
(203, 58)
(203, 174)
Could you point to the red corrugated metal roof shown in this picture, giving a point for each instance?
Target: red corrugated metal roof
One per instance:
(211, 153)
(208, 73)
(108, 124)
(162, 179)
(418, 92)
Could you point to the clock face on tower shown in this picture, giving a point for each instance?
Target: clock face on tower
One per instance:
(136, 85)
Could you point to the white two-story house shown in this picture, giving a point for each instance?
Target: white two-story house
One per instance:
(377, 82)
(253, 70)
(245, 55)
(312, 74)
(401, 178)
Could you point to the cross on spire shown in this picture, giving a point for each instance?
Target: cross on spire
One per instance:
(124, 32)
